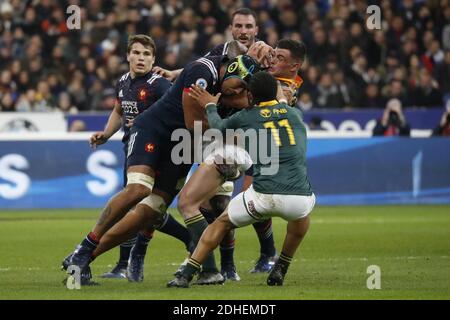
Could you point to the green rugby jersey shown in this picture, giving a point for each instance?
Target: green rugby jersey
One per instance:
(286, 131)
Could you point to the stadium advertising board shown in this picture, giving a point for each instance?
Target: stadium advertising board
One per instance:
(68, 174)
(423, 119)
(32, 122)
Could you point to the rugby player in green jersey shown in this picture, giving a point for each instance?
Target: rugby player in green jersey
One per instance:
(286, 194)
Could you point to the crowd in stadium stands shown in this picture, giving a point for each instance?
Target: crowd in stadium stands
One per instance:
(44, 66)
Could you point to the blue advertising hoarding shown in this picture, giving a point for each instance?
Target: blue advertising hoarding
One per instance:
(68, 174)
(339, 120)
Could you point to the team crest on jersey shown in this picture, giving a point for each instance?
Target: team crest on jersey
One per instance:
(149, 147)
(142, 94)
(265, 113)
(201, 83)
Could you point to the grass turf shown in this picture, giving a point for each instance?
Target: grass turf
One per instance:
(411, 245)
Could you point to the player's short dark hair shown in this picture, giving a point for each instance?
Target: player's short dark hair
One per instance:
(245, 12)
(143, 39)
(296, 48)
(263, 87)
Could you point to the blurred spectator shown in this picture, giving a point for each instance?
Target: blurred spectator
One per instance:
(319, 47)
(26, 101)
(305, 101)
(310, 81)
(108, 99)
(44, 100)
(446, 29)
(393, 122)
(328, 94)
(443, 128)
(7, 103)
(36, 45)
(443, 73)
(65, 103)
(77, 126)
(346, 89)
(315, 124)
(427, 93)
(372, 98)
(396, 90)
(7, 85)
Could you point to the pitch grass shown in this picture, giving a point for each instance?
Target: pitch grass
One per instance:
(411, 245)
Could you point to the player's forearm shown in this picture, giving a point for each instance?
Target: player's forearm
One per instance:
(113, 125)
(214, 119)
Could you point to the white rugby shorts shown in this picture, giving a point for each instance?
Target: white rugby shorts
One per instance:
(250, 206)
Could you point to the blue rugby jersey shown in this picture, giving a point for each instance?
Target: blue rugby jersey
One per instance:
(167, 113)
(137, 95)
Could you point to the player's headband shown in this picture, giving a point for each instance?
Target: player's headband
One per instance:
(242, 67)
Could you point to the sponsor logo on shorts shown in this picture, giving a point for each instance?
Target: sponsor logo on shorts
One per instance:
(252, 209)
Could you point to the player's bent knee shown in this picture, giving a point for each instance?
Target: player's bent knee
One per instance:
(155, 202)
(186, 207)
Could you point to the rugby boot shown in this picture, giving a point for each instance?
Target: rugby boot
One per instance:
(264, 264)
(229, 272)
(276, 276)
(209, 278)
(178, 282)
(181, 267)
(118, 272)
(135, 268)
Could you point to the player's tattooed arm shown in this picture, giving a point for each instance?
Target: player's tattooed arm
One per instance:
(105, 214)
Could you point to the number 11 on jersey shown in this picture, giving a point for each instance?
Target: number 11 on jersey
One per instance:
(275, 133)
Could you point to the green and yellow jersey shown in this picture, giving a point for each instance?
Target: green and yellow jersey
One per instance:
(285, 131)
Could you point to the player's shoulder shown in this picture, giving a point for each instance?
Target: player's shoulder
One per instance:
(294, 111)
(204, 67)
(220, 49)
(156, 79)
(124, 77)
(205, 63)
